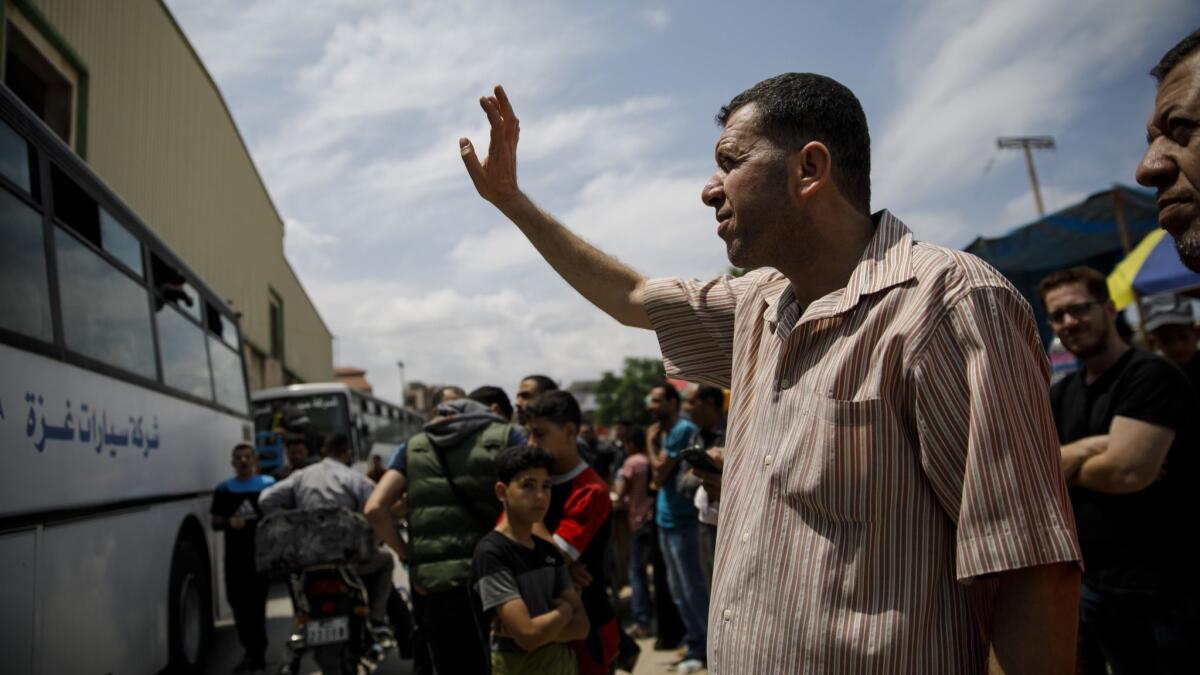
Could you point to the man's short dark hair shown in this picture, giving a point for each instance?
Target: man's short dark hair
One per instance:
(1175, 55)
(295, 438)
(669, 391)
(337, 444)
(544, 383)
(1095, 282)
(556, 407)
(520, 458)
(635, 436)
(239, 446)
(713, 395)
(441, 393)
(489, 395)
(797, 108)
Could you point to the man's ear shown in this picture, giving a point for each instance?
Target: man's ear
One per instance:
(501, 492)
(810, 170)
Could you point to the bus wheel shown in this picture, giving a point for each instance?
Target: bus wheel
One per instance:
(189, 609)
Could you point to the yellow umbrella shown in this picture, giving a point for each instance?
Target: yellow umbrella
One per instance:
(1120, 282)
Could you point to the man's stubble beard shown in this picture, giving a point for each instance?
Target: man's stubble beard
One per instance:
(1188, 247)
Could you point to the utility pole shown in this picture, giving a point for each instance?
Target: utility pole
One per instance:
(1028, 143)
(403, 401)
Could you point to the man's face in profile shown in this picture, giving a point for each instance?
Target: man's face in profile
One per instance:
(1172, 162)
(526, 392)
(749, 191)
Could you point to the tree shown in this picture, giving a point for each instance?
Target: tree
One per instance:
(624, 396)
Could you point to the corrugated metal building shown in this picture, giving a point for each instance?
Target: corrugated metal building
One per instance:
(120, 83)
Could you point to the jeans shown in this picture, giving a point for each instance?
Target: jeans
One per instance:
(708, 549)
(640, 553)
(246, 591)
(681, 551)
(454, 631)
(1137, 632)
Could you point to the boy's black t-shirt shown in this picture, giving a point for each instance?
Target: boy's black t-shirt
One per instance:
(503, 570)
(240, 498)
(1133, 541)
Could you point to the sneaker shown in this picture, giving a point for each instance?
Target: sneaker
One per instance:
(383, 636)
(689, 666)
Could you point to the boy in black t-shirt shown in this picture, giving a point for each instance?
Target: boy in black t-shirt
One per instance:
(520, 579)
(235, 510)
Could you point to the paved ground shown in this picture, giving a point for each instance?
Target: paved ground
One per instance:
(226, 652)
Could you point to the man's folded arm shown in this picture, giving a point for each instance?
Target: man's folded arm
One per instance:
(1135, 455)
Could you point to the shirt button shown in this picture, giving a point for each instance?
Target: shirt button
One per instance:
(727, 615)
(746, 536)
(785, 383)
(768, 459)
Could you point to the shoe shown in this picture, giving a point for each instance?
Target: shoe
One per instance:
(689, 666)
(383, 636)
(641, 632)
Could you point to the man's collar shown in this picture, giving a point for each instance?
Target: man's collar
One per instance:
(886, 262)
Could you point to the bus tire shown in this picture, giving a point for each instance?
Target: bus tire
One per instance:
(189, 609)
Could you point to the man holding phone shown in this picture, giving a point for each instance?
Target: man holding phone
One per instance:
(675, 515)
(708, 412)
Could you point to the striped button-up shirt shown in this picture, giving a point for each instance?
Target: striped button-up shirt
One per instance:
(889, 447)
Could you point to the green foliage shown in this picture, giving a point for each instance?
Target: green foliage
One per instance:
(736, 271)
(624, 396)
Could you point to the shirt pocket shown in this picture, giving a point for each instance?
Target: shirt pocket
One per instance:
(828, 476)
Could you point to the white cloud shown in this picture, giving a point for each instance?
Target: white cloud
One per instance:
(446, 336)
(306, 246)
(656, 17)
(971, 72)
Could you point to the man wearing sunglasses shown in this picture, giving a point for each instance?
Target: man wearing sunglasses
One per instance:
(1127, 424)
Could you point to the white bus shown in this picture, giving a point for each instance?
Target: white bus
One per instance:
(122, 393)
(374, 426)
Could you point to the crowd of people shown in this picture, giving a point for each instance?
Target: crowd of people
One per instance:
(904, 492)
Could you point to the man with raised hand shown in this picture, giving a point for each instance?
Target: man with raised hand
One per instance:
(892, 500)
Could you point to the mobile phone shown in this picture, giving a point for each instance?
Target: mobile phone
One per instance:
(700, 460)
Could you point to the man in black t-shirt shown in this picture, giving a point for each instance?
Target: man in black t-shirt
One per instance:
(235, 511)
(1127, 421)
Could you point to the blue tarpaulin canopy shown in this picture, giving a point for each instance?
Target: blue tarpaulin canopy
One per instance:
(1086, 233)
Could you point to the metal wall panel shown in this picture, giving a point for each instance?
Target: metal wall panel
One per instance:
(160, 136)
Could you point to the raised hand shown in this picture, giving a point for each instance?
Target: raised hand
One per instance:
(495, 177)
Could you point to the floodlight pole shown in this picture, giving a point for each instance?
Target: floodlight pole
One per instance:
(1028, 143)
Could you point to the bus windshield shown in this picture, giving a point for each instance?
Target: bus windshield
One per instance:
(328, 414)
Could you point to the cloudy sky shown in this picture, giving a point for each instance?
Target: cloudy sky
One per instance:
(352, 110)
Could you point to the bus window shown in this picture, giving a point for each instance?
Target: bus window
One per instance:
(172, 287)
(24, 289)
(74, 206)
(221, 325)
(105, 314)
(227, 376)
(122, 245)
(15, 163)
(184, 359)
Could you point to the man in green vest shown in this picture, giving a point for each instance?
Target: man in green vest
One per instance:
(449, 474)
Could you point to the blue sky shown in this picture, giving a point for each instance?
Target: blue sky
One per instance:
(352, 112)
